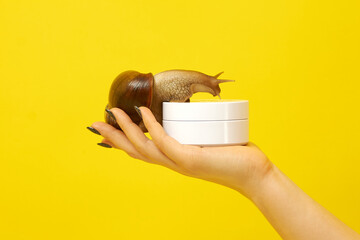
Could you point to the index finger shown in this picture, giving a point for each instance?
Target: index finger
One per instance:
(179, 153)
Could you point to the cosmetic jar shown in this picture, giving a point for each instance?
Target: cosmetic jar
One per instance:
(208, 123)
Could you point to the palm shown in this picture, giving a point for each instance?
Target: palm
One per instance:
(238, 167)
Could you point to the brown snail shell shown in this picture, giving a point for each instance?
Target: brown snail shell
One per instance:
(132, 88)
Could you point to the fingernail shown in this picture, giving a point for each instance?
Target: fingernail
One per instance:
(104, 145)
(93, 130)
(138, 111)
(110, 114)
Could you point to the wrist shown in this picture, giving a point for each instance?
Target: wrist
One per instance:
(274, 186)
(261, 185)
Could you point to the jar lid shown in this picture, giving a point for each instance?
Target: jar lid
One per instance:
(206, 110)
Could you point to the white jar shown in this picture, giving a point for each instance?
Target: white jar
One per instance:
(208, 123)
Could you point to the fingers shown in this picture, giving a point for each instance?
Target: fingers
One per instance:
(117, 139)
(141, 143)
(188, 156)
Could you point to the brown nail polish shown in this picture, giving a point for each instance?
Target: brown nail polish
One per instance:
(110, 114)
(93, 130)
(104, 145)
(138, 111)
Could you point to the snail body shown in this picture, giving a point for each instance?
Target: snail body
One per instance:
(132, 88)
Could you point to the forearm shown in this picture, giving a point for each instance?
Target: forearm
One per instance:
(293, 214)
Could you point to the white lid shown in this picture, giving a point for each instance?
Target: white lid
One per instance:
(206, 110)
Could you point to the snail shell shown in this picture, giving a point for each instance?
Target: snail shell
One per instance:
(132, 88)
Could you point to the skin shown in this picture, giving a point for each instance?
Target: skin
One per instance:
(179, 86)
(246, 169)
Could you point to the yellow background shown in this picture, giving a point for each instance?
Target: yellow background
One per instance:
(297, 62)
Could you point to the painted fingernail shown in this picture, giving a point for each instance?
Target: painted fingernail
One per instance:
(93, 130)
(110, 114)
(104, 145)
(138, 111)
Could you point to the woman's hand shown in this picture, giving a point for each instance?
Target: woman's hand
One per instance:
(242, 168)
(292, 213)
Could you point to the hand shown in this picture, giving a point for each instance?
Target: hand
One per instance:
(242, 168)
(293, 214)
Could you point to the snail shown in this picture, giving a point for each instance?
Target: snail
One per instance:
(132, 88)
